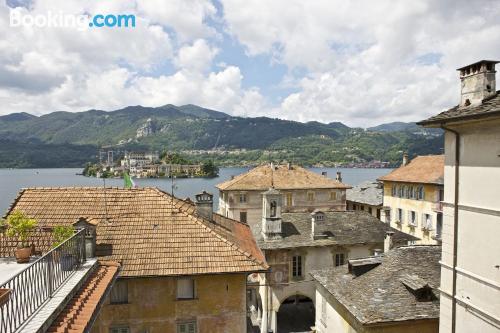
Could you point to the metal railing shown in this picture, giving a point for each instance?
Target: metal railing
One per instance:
(33, 286)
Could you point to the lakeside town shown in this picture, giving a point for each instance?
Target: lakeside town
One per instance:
(287, 250)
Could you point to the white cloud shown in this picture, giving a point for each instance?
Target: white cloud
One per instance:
(367, 61)
(196, 57)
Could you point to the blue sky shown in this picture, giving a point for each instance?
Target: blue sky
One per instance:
(360, 62)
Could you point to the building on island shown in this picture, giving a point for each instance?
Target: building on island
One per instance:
(397, 291)
(296, 243)
(240, 198)
(412, 197)
(183, 268)
(470, 264)
(367, 196)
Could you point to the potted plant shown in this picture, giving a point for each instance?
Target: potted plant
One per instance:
(61, 234)
(21, 226)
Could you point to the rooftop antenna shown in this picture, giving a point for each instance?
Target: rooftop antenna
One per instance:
(105, 201)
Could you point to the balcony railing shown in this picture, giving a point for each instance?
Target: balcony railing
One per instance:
(33, 286)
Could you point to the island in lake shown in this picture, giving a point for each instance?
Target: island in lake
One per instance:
(148, 165)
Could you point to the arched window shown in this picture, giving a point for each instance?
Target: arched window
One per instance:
(273, 209)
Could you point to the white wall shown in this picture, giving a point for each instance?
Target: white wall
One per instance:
(478, 256)
(330, 320)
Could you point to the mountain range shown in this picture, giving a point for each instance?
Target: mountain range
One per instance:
(70, 139)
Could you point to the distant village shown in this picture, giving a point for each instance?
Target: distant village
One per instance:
(284, 250)
(147, 165)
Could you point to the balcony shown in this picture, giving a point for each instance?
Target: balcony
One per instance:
(38, 290)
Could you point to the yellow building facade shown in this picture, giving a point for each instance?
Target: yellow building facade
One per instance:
(413, 197)
(153, 305)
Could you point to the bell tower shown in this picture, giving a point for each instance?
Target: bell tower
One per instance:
(271, 214)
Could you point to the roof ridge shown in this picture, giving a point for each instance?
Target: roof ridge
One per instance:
(241, 176)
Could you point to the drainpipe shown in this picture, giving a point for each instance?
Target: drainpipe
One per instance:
(455, 228)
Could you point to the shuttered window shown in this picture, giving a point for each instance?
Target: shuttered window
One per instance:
(297, 266)
(187, 327)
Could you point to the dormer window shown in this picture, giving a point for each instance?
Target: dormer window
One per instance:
(320, 217)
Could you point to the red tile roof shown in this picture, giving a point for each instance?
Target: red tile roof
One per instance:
(280, 177)
(148, 231)
(77, 316)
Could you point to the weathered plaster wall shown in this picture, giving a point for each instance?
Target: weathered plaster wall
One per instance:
(153, 308)
(230, 206)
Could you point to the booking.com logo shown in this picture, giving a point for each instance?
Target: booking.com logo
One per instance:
(61, 20)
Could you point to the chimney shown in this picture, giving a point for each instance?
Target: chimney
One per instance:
(405, 159)
(289, 166)
(204, 205)
(477, 82)
(388, 243)
(339, 177)
(324, 173)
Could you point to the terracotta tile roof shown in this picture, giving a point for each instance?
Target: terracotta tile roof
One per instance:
(149, 232)
(280, 177)
(422, 169)
(78, 315)
(380, 295)
(489, 107)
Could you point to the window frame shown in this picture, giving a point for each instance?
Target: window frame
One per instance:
(244, 220)
(187, 322)
(297, 268)
(242, 198)
(337, 257)
(333, 195)
(310, 196)
(289, 199)
(115, 297)
(193, 284)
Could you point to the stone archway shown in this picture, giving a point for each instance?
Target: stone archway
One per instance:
(296, 314)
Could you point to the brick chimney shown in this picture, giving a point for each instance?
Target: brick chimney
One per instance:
(388, 242)
(477, 82)
(204, 205)
(339, 177)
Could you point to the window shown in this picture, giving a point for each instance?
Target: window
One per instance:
(243, 198)
(411, 192)
(401, 191)
(333, 195)
(394, 190)
(339, 259)
(119, 329)
(297, 266)
(187, 327)
(289, 199)
(362, 207)
(119, 293)
(378, 213)
(243, 217)
(420, 193)
(319, 217)
(273, 209)
(427, 222)
(310, 196)
(369, 210)
(399, 215)
(412, 217)
(354, 207)
(185, 289)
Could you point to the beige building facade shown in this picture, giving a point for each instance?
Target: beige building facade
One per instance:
(470, 264)
(303, 191)
(413, 197)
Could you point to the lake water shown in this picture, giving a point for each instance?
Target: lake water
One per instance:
(11, 181)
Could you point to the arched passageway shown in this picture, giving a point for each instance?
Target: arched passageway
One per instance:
(296, 314)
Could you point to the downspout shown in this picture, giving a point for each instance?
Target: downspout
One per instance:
(455, 228)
